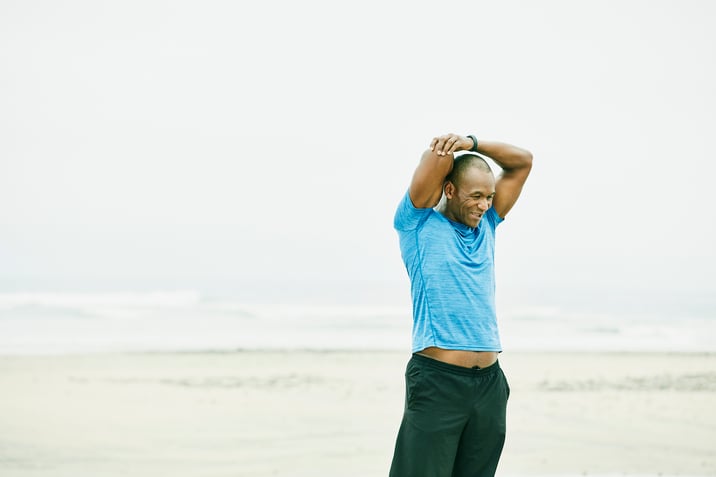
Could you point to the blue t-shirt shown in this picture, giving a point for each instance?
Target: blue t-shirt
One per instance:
(452, 278)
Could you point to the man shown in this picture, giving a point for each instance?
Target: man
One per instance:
(456, 394)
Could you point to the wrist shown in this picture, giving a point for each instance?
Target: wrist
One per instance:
(473, 143)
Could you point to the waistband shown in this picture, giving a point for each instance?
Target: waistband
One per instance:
(453, 368)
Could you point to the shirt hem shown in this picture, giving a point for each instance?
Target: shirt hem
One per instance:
(497, 349)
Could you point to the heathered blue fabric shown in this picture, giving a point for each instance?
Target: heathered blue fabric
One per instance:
(452, 278)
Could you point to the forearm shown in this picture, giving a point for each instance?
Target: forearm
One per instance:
(507, 156)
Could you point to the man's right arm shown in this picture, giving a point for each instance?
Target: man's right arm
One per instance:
(426, 188)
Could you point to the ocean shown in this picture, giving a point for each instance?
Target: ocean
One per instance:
(33, 323)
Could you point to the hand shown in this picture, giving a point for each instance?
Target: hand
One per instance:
(450, 143)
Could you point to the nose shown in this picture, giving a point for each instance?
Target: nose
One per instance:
(483, 204)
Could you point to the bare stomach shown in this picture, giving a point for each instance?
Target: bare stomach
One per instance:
(466, 359)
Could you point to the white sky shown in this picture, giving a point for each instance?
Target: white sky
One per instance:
(189, 144)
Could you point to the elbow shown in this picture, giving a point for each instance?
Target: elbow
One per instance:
(442, 163)
(431, 155)
(526, 157)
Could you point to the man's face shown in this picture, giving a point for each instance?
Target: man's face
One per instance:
(468, 200)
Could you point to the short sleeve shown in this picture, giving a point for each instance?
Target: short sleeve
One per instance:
(493, 217)
(409, 217)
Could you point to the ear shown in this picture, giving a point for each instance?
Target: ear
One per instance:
(449, 189)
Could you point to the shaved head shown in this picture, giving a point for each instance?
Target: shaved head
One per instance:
(463, 163)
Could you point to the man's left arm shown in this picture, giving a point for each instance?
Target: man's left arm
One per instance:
(516, 164)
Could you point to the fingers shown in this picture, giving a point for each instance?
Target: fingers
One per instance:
(451, 144)
(433, 143)
(446, 144)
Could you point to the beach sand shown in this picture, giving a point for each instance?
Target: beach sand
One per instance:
(256, 413)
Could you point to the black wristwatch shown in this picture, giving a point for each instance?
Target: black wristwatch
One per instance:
(474, 141)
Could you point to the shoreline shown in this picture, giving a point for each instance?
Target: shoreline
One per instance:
(315, 350)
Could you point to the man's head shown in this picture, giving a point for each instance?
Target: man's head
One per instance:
(469, 190)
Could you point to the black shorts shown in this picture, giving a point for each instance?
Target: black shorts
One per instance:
(454, 420)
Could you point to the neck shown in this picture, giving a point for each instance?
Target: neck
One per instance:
(444, 211)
